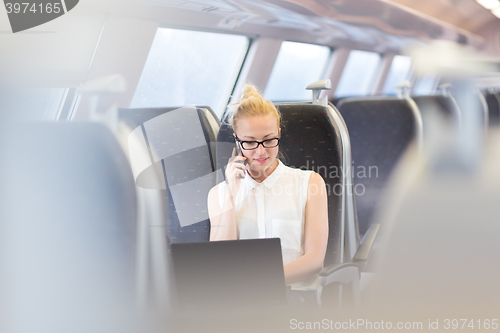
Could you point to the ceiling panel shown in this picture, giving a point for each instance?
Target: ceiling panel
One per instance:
(464, 14)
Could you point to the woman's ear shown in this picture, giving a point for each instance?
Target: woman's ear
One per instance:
(279, 132)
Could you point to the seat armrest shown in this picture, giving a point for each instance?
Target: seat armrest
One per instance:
(364, 249)
(343, 273)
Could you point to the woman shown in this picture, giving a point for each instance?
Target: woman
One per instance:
(264, 198)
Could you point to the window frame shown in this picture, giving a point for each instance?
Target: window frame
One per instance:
(371, 85)
(250, 39)
(331, 51)
(409, 76)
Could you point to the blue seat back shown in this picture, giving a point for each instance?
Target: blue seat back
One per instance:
(444, 105)
(181, 145)
(309, 141)
(380, 130)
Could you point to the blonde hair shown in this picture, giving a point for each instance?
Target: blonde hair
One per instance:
(252, 104)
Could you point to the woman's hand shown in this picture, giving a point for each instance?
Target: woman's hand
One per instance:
(222, 215)
(235, 171)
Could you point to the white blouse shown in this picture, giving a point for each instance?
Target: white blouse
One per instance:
(275, 208)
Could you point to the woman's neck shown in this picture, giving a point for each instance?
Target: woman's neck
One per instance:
(260, 176)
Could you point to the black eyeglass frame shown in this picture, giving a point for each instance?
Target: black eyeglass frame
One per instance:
(258, 143)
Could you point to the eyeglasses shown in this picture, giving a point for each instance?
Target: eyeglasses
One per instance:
(250, 145)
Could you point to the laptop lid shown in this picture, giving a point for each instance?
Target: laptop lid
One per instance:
(240, 273)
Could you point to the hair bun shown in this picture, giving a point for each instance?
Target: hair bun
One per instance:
(249, 91)
(251, 104)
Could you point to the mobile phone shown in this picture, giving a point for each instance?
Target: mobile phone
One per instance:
(238, 151)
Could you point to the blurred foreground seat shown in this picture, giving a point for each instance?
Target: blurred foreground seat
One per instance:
(493, 103)
(440, 106)
(440, 237)
(67, 229)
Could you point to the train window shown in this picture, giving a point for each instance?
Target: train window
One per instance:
(297, 66)
(190, 67)
(399, 71)
(425, 85)
(359, 72)
(32, 104)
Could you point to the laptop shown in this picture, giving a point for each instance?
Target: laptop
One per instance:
(229, 274)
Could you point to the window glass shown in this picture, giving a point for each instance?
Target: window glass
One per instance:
(358, 74)
(297, 66)
(190, 67)
(399, 71)
(425, 85)
(31, 104)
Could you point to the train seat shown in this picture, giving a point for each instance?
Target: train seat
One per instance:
(444, 106)
(441, 235)
(493, 102)
(180, 145)
(314, 138)
(380, 130)
(335, 101)
(68, 228)
(467, 102)
(309, 141)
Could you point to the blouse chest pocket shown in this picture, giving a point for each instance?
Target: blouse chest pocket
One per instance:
(290, 233)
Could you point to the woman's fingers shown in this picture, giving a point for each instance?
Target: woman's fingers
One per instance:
(235, 171)
(236, 168)
(238, 165)
(239, 160)
(239, 173)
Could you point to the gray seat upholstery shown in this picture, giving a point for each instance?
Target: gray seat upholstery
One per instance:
(309, 141)
(444, 105)
(438, 106)
(380, 129)
(180, 143)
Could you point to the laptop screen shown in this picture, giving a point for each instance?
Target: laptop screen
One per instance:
(241, 273)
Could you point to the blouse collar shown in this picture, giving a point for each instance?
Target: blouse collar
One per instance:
(269, 181)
